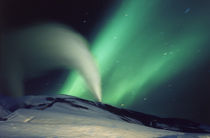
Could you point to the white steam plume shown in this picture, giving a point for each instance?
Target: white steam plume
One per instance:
(31, 51)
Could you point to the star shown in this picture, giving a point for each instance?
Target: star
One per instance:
(84, 21)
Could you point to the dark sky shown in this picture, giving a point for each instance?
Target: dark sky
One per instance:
(82, 15)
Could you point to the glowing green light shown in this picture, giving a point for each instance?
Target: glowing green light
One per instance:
(134, 55)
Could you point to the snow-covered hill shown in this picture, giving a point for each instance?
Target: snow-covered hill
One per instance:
(67, 116)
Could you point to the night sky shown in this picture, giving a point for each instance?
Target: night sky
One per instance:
(153, 55)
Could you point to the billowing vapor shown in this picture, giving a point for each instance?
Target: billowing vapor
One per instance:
(31, 51)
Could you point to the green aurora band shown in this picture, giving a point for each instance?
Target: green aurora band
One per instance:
(138, 48)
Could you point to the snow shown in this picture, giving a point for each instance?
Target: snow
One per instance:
(75, 118)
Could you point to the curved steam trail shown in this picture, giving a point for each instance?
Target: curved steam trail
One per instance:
(30, 51)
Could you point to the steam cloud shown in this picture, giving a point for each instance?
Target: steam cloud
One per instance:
(29, 52)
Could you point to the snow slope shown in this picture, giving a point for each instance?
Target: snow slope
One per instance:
(67, 116)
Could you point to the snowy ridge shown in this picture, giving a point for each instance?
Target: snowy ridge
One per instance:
(38, 113)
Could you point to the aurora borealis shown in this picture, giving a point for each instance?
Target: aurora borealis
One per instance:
(138, 47)
(153, 55)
